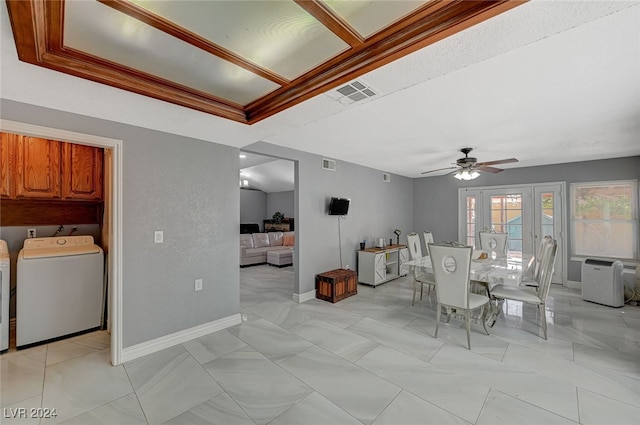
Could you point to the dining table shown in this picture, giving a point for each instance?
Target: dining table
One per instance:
(496, 269)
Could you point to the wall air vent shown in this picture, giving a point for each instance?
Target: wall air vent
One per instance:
(328, 164)
(386, 177)
(355, 91)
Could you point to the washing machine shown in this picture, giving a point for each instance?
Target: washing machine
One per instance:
(5, 294)
(59, 288)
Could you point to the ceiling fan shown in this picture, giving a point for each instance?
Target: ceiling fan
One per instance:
(468, 168)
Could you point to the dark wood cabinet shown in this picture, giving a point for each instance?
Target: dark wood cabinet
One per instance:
(285, 225)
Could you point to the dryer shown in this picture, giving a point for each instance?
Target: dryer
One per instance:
(5, 294)
(59, 288)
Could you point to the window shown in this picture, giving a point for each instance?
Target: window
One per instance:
(605, 219)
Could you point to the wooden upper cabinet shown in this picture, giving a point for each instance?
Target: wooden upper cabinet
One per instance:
(7, 150)
(37, 168)
(81, 171)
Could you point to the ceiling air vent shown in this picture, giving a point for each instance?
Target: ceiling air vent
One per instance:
(328, 164)
(386, 177)
(355, 91)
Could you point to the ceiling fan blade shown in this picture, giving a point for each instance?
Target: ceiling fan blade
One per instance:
(500, 161)
(493, 170)
(439, 169)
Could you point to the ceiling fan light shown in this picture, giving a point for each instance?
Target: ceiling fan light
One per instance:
(466, 175)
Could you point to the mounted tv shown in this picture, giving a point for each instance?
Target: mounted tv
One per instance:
(339, 206)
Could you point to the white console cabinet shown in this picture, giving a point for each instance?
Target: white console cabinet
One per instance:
(380, 265)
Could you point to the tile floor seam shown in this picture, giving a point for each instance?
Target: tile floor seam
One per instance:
(536, 406)
(578, 404)
(484, 403)
(353, 364)
(224, 390)
(126, 372)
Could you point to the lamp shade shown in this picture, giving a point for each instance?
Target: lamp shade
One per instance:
(466, 174)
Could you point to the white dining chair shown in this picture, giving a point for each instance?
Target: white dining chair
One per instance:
(493, 242)
(532, 275)
(428, 238)
(532, 295)
(451, 269)
(419, 278)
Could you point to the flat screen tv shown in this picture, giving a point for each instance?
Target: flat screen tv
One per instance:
(339, 206)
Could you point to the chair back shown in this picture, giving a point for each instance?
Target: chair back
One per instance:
(428, 238)
(492, 241)
(413, 243)
(547, 267)
(542, 248)
(451, 269)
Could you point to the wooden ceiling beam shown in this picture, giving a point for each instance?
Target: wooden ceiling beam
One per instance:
(427, 26)
(38, 32)
(333, 22)
(174, 30)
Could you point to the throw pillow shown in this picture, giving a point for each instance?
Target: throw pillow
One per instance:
(260, 240)
(289, 239)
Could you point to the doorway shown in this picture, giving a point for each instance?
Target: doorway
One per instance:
(114, 223)
(268, 201)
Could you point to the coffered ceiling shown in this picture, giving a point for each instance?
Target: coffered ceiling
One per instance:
(240, 60)
(546, 82)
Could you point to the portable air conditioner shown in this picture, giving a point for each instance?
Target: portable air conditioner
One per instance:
(602, 282)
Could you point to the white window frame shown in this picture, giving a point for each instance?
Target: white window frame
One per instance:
(634, 220)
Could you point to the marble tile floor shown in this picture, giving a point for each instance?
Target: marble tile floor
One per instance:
(369, 359)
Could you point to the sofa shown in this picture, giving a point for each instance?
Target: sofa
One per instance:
(255, 248)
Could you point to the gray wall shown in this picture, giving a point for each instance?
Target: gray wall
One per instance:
(253, 206)
(256, 205)
(436, 198)
(376, 209)
(189, 189)
(281, 201)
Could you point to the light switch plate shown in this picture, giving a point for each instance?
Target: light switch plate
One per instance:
(158, 236)
(198, 286)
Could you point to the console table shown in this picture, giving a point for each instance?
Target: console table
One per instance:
(285, 225)
(380, 265)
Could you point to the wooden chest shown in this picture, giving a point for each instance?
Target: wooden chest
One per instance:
(336, 285)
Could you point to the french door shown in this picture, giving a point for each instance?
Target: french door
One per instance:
(549, 220)
(525, 213)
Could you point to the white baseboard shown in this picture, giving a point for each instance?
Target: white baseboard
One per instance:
(302, 298)
(155, 345)
(572, 284)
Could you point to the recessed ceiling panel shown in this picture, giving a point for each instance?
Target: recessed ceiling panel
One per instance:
(277, 35)
(370, 16)
(243, 60)
(101, 31)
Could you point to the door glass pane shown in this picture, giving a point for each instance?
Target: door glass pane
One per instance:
(506, 216)
(471, 220)
(546, 200)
